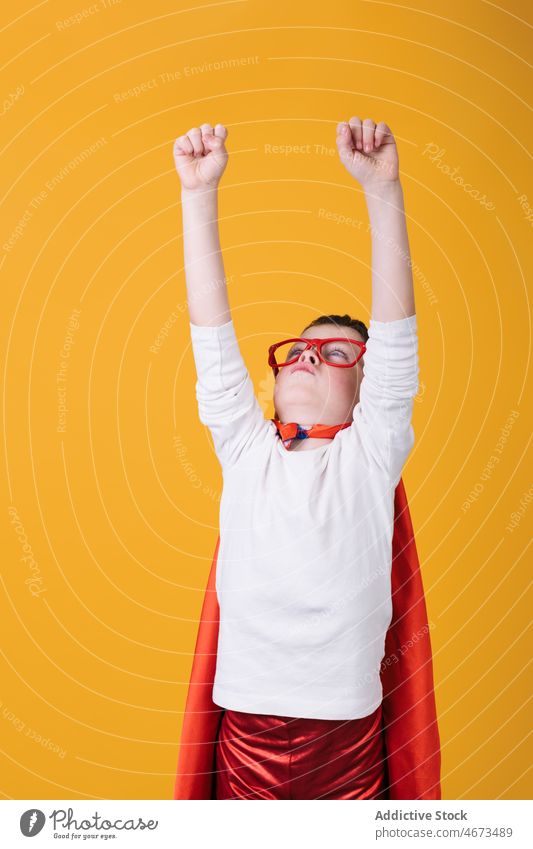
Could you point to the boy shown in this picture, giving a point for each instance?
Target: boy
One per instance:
(307, 510)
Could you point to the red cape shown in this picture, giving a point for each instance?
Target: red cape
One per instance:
(409, 714)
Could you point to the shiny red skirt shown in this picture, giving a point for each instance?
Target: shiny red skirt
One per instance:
(263, 756)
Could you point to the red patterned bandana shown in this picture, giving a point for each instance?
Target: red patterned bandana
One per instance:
(291, 430)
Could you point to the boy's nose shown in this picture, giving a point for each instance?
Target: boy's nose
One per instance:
(310, 354)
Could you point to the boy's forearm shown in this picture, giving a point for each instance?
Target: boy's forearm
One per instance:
(207, 294)
(392, 279)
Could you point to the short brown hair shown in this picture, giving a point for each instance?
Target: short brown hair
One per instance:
(341, 320)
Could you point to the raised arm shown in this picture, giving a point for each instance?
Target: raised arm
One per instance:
(382, 418)
(201, 157)
(224, 390)
(368, 152)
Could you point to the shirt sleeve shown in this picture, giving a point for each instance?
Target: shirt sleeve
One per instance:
(224, 391)
(382, 417)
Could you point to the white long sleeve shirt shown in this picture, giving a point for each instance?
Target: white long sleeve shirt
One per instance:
(304, 563)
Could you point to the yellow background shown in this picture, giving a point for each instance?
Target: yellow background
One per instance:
(119, 511)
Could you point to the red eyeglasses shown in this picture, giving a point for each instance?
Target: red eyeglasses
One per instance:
(338, 352)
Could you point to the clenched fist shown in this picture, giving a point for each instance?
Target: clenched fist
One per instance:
(200, 157)
(368, 151)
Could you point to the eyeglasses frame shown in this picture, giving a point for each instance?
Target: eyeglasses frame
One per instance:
(317, 343)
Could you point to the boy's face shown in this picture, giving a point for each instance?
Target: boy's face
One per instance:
(328, 395)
